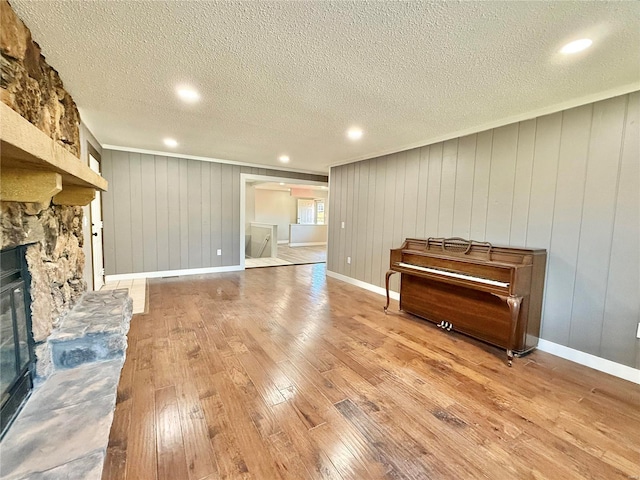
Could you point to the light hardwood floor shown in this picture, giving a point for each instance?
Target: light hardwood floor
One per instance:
(283, 373)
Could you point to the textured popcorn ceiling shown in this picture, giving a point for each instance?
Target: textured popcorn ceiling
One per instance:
(291, 77)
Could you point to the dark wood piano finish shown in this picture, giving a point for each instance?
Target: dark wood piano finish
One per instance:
(488, 292)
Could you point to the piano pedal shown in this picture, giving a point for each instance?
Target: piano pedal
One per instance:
(445, 326)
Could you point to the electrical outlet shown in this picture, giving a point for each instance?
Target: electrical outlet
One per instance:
(219, 252)
(638, 332)
(342, 225)
(349, 260)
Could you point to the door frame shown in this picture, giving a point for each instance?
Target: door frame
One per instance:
(92, 152)
(244, 178)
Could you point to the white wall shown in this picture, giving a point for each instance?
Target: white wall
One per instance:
(275, 207)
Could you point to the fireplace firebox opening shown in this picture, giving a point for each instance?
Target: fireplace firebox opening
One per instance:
(17, 359)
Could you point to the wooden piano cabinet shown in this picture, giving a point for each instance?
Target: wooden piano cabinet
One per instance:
(490, 293)
(479, 314)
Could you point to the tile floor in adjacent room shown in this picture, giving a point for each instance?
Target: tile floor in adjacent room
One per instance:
(291, 256)
(137, 291)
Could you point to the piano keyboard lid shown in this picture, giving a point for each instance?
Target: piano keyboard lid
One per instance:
(448, 273)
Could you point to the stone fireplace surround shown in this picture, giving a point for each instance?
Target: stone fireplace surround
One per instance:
(80, 338)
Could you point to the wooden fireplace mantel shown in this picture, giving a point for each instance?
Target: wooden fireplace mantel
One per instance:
(35, 168)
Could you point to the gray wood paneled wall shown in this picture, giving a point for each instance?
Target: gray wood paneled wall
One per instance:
(567, 182)
(166, 213)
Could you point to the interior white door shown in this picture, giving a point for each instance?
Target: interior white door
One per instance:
(96, 232)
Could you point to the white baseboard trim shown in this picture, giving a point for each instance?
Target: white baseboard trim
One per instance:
(172, 273)
(307, 244)
(283, 242)
(365, 285)
(597, 363)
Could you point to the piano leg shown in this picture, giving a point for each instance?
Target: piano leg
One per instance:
(513, 301)
(386, 284)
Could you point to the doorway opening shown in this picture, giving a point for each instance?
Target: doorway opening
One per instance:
(283, 221)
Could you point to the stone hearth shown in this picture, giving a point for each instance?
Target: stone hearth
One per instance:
(63, 429)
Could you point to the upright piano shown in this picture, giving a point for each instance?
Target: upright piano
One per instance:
(488, 292)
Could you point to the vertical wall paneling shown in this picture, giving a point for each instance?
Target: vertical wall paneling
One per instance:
(183, 184)
(137, 240)
(543, 180)
(481, 174)
(162, 213)
(121, 188)
(205, 186)
(567, 213)
(390, 211)
(227, 214)
(398, 217)
(501, 180)
(371, 213)
(108, 236)
(377, 267)
(464, 186)
(568, 182)
(361, 237)
(194, 212)
(423, 184)
(235, 229)
(447, 187)
(149, 218)
(349, 227)
(522, 182)
(433, 190)
(216, 214)
(173, 198)
(344, 208)
(409, 205)
(596, 230)
(623, 289)
(342, 212)
(165, 214)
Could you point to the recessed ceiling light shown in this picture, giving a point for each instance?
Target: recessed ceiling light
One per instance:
(576, 46)
(281, 183)
(188, 94)
(170, 142)
(284, 158)
(354, 133)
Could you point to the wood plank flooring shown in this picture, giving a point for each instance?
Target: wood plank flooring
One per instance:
(286, 374)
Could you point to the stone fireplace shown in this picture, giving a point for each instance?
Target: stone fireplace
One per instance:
(78, 338)
(52, 236)
(43, 183)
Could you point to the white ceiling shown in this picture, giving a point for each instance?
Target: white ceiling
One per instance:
(291, 77)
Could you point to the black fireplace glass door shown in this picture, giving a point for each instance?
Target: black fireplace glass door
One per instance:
(8, 371)
(21, 328)
(16, 345)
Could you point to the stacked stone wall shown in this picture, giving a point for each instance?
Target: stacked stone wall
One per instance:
(31, 87)
(55, 257)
